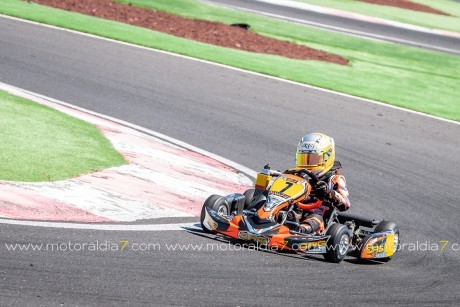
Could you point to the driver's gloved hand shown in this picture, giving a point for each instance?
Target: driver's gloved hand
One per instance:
(322, 190)
(332, 197)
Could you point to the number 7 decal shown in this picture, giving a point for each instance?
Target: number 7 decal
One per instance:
(288, 185)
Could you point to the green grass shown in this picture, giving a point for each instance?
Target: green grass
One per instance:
(405, 76)
(39, 143)
(436, 21)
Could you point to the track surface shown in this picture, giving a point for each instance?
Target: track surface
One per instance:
(399, 165)
(347, 25)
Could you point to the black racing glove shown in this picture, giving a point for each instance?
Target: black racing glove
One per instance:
(322, 190)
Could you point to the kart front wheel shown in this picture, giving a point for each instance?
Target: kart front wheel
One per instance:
(385, 226)
(216, 203)
(338, 244)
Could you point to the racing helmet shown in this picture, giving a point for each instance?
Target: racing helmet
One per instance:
(316, 153)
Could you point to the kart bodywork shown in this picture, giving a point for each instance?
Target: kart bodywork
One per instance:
(267, 217)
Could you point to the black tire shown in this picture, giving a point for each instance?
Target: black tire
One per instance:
(216, 203)
(387, 225)
(338, 243)
(249, 195)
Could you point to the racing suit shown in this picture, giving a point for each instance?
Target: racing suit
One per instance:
(332, 189)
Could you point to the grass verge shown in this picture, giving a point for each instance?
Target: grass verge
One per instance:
(405, 76)
(39, 143)
(428, 20)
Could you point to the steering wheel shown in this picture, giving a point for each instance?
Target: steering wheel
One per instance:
(311, 177)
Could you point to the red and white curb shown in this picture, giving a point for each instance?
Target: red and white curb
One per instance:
(161, 179)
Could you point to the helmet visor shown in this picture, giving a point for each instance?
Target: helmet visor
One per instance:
(309, 159)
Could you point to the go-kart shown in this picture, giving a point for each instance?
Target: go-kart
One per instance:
(269, 216)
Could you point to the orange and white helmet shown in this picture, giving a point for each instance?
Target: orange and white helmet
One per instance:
(316, 153)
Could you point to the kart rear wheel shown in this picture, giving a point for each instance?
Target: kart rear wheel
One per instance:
(385, 226)
(338, 244)
(216, 203)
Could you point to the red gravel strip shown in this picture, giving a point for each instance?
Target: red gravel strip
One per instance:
(215, 33)
(406, 4)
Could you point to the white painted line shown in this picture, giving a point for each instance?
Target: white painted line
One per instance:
(359, 34)
(109, 227)
(191, 147)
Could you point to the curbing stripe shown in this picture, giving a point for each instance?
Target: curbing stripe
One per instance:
(147, 227)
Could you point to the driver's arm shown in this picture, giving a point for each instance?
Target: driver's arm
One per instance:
(339, 192)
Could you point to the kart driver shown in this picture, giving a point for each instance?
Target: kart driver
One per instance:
(316, 153)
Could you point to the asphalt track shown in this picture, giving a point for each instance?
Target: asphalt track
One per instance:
(399, 165)
(352, 26)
